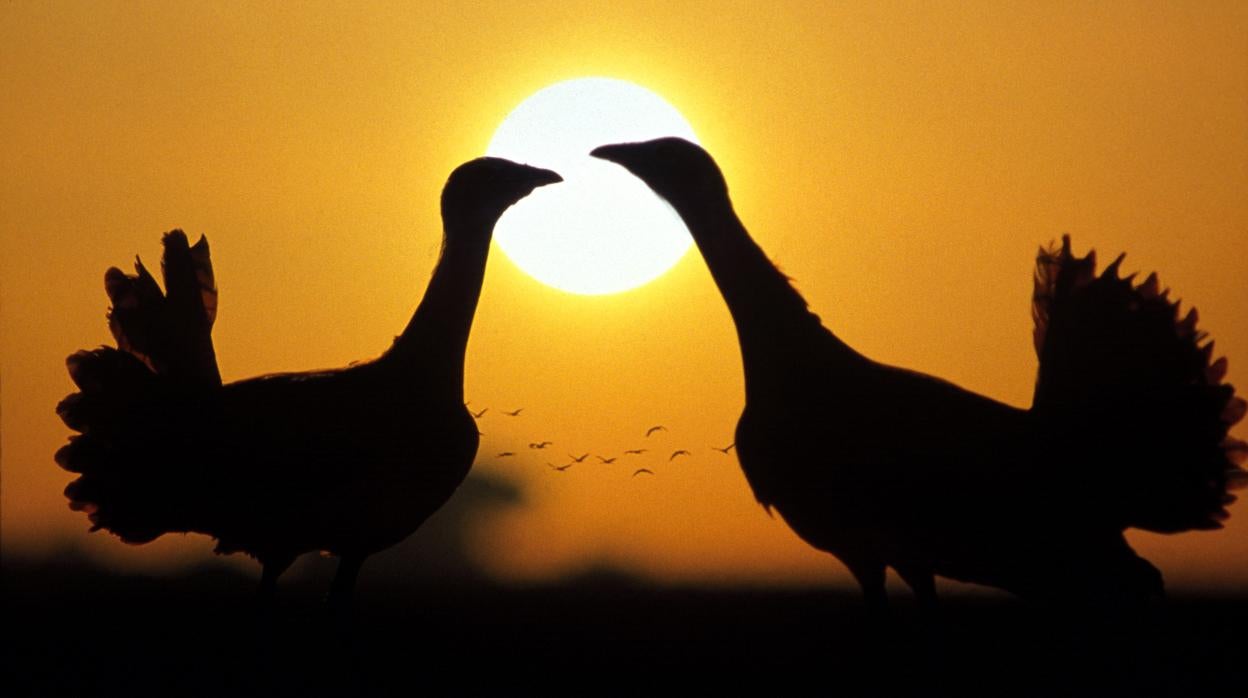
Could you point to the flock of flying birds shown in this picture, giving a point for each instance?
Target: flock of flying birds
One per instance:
(582, 458)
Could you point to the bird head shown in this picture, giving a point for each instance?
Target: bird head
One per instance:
(480, 190)
(679, 171)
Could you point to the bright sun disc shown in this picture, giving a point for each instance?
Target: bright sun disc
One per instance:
(602, 230)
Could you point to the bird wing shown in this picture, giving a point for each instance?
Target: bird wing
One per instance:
(322, 450)
(899, 449)
(966, 486)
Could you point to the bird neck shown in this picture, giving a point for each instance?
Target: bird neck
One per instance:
(433, 344)
(778, 334)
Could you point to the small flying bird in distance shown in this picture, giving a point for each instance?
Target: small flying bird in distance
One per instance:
(578, 459)
(560, 468)
(681, 452)
(639, 471)
(541, 444)
(514, 414)
(635, 451)
(505, 454)
(477, 415)
(607, 461)
(725, 449)
(651, 430)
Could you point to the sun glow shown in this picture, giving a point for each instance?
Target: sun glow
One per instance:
(600, 231)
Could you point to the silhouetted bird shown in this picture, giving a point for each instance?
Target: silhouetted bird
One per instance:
(513, 414)
(505, 454)
(635, 451)
(681, 452)
(349, 461)
(478, 415)
(653, 429)
(606, 461)
(725, 449)
(541, 444)
(639, 471)
(560, 468)
(886, 467)
(578, 459)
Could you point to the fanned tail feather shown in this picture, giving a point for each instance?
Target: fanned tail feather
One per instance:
(120, 403)
(1132, 392)
(171, 333)
(123, 408)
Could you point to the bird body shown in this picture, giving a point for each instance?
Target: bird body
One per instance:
(349, 461)
(886, 480)
(887, 467)
(339, 461)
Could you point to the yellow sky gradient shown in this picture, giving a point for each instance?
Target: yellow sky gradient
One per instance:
(902, 161)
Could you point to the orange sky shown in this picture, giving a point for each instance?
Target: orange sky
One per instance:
(902, 161)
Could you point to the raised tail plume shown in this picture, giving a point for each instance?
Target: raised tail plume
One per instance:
(126, 407)
(120, 414)
(1132, 391)
(170, 332)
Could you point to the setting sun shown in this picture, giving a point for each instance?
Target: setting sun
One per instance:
(600, 231)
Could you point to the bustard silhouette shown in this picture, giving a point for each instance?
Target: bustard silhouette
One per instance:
(886, 467)
(349, 461)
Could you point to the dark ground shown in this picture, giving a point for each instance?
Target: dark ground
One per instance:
(73, 629)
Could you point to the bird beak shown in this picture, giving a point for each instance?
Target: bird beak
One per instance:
(619, 153)
(537, 177)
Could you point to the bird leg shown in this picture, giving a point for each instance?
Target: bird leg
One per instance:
(932, 629)
(270, 570)
(341, 589)
(266, 601)
(268, 585)
(870, 577)
(923, 583)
